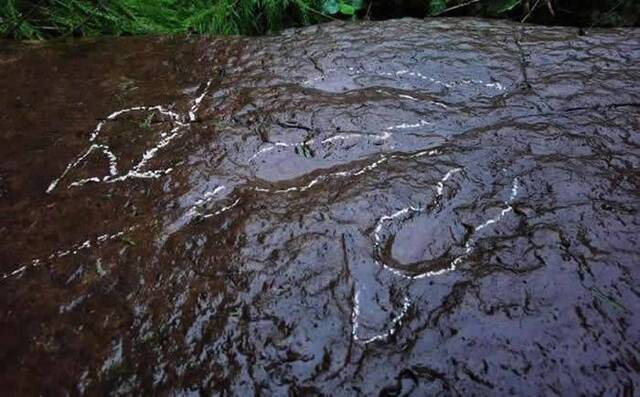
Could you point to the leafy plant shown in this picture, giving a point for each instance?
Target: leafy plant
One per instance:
(437, 6)
(41, 19)
(36, 19)
(344, 7)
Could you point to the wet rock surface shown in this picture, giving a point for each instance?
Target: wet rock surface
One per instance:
(444, 207)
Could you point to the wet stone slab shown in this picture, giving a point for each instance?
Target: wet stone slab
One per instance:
(446, 207)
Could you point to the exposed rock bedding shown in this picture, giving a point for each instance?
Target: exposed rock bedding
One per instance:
(442, 207)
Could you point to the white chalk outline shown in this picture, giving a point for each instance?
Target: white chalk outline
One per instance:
(378, 243)
(179, 121)
(74, 250)
(469, 245)
(405, 73)
(208, 197)
(269, 146)
(396, 322)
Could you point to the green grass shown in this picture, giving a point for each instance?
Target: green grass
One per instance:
(40, 19)
(50, 18)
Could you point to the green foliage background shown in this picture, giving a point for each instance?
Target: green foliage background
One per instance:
(38, 19)
(47, 18)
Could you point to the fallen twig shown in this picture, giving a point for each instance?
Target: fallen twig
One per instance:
(535, 5)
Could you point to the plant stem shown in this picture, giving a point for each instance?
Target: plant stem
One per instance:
(456, 7)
